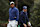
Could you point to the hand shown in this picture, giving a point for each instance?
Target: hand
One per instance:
(29, 24)
(14, 17)
(25, 25)
(8, 20)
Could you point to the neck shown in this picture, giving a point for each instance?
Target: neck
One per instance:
(12, 7)
(24, 11)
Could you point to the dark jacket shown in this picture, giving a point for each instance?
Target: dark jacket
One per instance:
(23, 17)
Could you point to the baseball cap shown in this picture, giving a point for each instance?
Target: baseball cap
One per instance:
(24, 7)
(12, 2)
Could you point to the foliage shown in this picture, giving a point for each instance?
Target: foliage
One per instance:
(33, 8)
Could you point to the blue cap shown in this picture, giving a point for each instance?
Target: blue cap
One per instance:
(24, 7)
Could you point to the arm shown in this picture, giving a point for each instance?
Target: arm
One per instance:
(27, 19)
(17, 14)
(29, 24)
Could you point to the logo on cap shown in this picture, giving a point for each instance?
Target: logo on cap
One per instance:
(24, 7)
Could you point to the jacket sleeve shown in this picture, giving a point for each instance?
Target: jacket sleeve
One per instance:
(27, 18)
(17, 14)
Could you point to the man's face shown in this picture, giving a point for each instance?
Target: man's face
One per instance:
(25, 10)
(12, 5)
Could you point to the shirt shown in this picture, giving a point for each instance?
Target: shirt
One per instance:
(13, 12)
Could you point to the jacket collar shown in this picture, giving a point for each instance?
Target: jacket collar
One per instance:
(13, 7)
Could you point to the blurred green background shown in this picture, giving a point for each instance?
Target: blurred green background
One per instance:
(33, 9)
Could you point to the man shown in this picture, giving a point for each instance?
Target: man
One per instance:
(13, 15)
(24, 18)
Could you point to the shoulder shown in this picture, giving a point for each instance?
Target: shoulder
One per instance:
(9, 8)
(16, 9)
(21, 12)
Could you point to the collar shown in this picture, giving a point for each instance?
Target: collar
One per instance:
(13, 7)
(23, 10)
